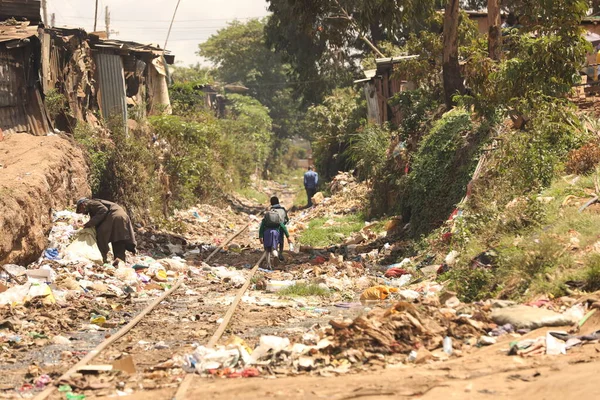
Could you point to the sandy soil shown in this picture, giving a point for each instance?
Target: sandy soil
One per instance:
(37, 174)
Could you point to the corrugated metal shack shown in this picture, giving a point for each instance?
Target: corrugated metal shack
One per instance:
(21, 106)
(383, 83)
(91, 72)
(131, 75)
(111, 76)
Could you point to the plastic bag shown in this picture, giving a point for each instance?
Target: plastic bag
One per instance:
(84, 247)
(269, 345)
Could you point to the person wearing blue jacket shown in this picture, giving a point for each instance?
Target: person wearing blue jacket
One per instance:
(311, 180)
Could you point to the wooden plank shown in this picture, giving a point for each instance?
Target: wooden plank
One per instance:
(219, 332)
(185, 384)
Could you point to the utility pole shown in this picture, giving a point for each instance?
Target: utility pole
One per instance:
(53, 20)
(96, 16)
(107, 21)
(45, 11)
(171, 26)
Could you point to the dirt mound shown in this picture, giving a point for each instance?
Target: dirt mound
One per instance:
(38, 174)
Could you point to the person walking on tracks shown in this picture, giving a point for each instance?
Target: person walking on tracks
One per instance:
(270, 233)
(284, 216)
(311, 180)
(112, 226)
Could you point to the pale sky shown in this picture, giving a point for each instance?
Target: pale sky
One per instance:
(147, 21)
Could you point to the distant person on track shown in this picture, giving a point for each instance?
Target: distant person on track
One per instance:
(271, 231)
(311, 180)
(112, 226)
(284, 215)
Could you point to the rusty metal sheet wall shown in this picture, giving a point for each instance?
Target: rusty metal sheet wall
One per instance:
(112, 86)
(21, 108)
(12, 114)
(21, 9)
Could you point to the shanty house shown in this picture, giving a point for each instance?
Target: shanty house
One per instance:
(21, 105)
(381, 85)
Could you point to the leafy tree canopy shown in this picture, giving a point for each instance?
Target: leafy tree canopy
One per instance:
(241, 55)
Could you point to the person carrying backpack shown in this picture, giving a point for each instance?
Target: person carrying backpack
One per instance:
(270, 231)
(284, 215)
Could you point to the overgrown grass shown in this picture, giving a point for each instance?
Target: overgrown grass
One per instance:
(253, 194)
(305, 290)
(541, 242)
(323, 232)
(300, 199)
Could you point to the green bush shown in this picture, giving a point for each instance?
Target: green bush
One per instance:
(442, 168)
(190, 157)
(55, 102)
(368, 148)
(331, 125)
(122, 166)
(99, 150)
(472, 284)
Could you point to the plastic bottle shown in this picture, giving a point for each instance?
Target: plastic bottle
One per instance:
(412, 356)
(448, 345)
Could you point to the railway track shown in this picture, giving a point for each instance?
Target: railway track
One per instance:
(184, 298)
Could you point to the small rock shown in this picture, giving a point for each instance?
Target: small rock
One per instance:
(487, 340)
(61, 340)
(161, 345)
(424, 355)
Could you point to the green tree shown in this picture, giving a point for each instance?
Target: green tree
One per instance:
(331, 126)
(324, 39)
(192, 73)
(541, 60)
(240, 55)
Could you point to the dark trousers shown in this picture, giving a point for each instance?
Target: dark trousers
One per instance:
(310, 192)
(119, 249)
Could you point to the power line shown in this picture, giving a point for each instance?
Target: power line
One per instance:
(167, 20)
(171, 26)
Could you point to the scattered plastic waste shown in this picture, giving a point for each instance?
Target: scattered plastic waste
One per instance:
(447, 345)
(42, 381)
(412, 356)
(99, 320)
(276, 286)
(73, 396)
(52, 254)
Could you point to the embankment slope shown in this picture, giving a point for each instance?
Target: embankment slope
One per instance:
(37, 174)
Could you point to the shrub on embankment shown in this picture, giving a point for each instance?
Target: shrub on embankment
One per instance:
(196, 157)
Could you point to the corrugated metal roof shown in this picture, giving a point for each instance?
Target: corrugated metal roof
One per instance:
(370, 73)
(21, 10)
(394, 60)
(134, 47)
(112, 86)
(15, 32)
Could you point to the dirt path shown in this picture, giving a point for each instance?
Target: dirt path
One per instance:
(484, 374)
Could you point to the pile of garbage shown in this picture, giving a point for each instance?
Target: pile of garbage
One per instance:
(347, 196)
(69, 278)
(208, 224)
(404, 329)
